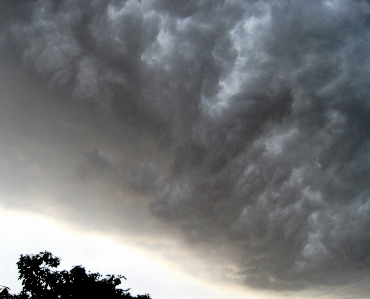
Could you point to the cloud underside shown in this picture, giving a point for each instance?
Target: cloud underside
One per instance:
(261, 108)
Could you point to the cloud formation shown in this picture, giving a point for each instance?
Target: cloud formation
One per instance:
(263, 105)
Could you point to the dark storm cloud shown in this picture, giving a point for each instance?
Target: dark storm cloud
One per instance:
(264, 105)
(144, 176)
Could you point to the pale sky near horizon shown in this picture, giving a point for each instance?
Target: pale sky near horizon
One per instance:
(23, 232)
(145, 272)
(221, 146)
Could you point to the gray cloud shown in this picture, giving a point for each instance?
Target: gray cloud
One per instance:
(263, 106)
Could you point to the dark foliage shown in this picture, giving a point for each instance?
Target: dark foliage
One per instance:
(40, 281)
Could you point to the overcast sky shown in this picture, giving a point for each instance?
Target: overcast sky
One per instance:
(224, 143)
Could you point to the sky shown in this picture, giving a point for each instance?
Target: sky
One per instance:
(210, 148)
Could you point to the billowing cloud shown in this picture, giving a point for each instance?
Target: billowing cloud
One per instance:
(262, 109)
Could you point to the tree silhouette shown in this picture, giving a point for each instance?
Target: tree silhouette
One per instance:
(40, 281)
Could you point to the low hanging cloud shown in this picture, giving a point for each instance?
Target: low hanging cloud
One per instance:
(263, 105)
